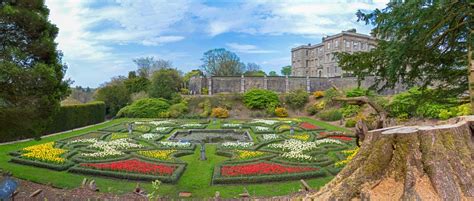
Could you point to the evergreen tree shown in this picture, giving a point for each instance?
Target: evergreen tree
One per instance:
(31, 69)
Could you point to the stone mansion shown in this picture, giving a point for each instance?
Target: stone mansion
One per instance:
(319, 60)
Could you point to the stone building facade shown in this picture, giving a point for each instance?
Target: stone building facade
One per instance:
(319, 60)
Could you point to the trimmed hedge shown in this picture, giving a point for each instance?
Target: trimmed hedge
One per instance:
(75, 116)
(58, 167)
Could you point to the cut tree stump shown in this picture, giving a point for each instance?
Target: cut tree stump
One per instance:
(409, 163)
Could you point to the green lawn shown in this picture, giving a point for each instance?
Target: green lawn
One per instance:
(196, 178)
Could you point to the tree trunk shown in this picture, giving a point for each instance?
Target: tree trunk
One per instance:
(409, 163)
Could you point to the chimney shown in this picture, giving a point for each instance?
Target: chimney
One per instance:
(309, 44)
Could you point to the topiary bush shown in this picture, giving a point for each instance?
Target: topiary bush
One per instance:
(146, 108)
(219, 112)
(330, 115)
(260, 98)
(281, 112)
(297, 99)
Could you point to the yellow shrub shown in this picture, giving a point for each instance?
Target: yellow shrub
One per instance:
(350, 155)
(303, 137)
(244, 154)
(158, 154)
(220, 112)
(320, 105)
(281, 112)
(318, 94)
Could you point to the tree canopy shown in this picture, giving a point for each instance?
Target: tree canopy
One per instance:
(221, 62)
(165, 83)
(31, 69)
(147, 65)
(422, 43)
(286, 70)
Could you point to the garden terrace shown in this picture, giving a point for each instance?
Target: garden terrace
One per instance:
(161, 149)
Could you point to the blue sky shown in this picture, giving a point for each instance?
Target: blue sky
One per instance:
(100, 39)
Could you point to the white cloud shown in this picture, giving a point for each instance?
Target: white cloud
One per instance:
(246, 48)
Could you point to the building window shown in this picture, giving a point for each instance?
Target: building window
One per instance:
(329, 45)
(348, 44)
(355, 45)
(337, 43)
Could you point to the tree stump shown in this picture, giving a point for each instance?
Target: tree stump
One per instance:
(409, 163)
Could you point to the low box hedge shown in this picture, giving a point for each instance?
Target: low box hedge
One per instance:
(58, 167)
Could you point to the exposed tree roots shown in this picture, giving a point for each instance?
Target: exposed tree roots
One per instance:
(409, 163)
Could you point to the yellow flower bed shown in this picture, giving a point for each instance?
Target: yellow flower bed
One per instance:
(116, 136)
(303, 137)
(158, 154)
(44, 152)
(244, 154)
(350, 153)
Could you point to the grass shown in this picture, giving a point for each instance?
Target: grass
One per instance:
(196, 179)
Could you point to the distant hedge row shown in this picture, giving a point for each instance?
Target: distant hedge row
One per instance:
(68, 117)
(75, 116)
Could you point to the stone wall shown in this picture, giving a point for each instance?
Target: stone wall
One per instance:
(236, 84)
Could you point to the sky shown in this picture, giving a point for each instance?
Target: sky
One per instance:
(100, 39)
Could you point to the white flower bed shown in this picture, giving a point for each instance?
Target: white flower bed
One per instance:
(231, 125)
(110, 148)
(149, 136)
(159, 123)
(265, 121)
(268, 137)
(328, 141)
(162, 129)
(87, 140)
(294, 149)
(191, 125)
(234, 145)
(261, 128)
(175, 144)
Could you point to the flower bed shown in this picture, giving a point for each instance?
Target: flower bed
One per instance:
(163, 130)
(286, 127)
(179, 145)
(269, 137)
(309, 127)
(232, 125)
(45, 153)
(261, 129)
(150, 136)
(302, 136)
(236, 145)
(261, 168)
(133, 166)
(116, 136)
(109, 149)
(158, 154)
(344, 138)
(193, 126)
(245, 154)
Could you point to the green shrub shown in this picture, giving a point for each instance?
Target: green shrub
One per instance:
(204, 91)
(350, 123)
(178, 109)
(350, 110)
(146, 108)
(297, 99)
(330, 115)
(260, 98)
(206, 108)
(357, 92)
(444, 114)
(329, 95)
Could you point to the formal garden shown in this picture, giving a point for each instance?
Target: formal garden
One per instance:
(238, 155)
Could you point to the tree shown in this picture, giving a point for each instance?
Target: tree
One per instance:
(253, 67)
(31, 69)
(148, 65)
(165, 83)
(191, 74)
(286, 70)
(272, 73)
(83, 95)
(114, 94)
(425, 42)
(358, 63)
(220, 62)
(136, 83)
(258, 73)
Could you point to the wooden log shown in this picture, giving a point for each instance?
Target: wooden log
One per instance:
(305, 185)
(36, 193)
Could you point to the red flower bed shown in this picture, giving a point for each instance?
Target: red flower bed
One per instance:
(345, 138)
(133, 166)
(308, 126)
(261, 168)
